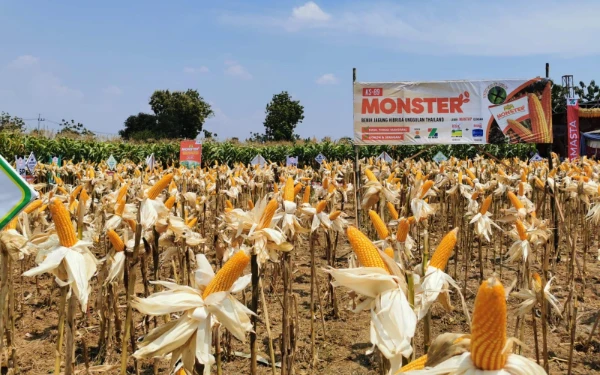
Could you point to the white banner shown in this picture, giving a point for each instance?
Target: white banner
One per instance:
(447, 112)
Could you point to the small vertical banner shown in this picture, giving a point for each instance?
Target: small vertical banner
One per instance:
(150, 162)
(190, 153)
(291, 161)
(21, 166)
(572, 128)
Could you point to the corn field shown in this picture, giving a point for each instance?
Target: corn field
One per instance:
(476, 265)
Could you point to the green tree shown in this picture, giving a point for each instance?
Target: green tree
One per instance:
(588, 93)
(142, 126)
(74, 128)
(11, 123)
(177, 114)
(180, 114)
(282, 116)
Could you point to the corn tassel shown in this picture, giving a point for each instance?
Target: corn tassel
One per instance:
(228, 274)
(365, 251)
(115, 240)
(159, 186)
(379, 225)
(62, 222)
(444, 250)
(488, 329)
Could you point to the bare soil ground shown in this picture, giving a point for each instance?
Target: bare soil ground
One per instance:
(340, 348)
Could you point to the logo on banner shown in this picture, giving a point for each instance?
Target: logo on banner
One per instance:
(320, 158)
(496, 93)
(190, 153)
(31, 162)
(433, 133)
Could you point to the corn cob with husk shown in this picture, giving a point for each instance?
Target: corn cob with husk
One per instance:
(231, 271)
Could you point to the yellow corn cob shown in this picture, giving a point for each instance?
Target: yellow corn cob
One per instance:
(122, 192)
(288, 190)
(321, 206)
(539, 183)
(471, 174)
(389, 251)
(403, 227)
(62, 222)
(61, 190)
(331, 188)
(250, 204)
(391, 177)
(43, 208)
(298, 188)
(517, 204)
(370, 175)
(159, 186)
(334, 215)
(475, 195)
(267, 216)
(524, 175)
(417, 364)
(488, 328)
(419, 175)
(120, 207)
(521, 189)
(521, 230)
(211, 177)
(379, 225)
(326, 184)
(11, 224)
(115, 240)
(425, 188)
(228, 204)
(392, 210)
(444, 250)
(275, 188)
(33, 206)
(231, 271)
(501, 172)
(538, 119)
(132, 224)
(191, 222)
(537, 282)
(411, 219)
(84, 196)
(59, 180)
(365, 251)
(486, 204)
(75, 193)
(469, 181)
(460, 177)
(172, 186)
(170, 202)
(306, 196)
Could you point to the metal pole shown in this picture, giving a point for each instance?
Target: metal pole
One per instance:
(356, 167)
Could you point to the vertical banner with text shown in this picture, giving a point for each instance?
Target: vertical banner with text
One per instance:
(190, 154)
(572, 128)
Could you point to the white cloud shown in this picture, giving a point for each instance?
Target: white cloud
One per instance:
(327, 79)
(24, 61)
(553, 28)
(234, 69)
(201, 70)
(113, 91)
(310, 12)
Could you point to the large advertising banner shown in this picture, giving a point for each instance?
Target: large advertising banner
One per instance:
(453, 112)
(190, 153)
(573, 128)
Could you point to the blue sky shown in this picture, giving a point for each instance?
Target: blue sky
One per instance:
(98, 63)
